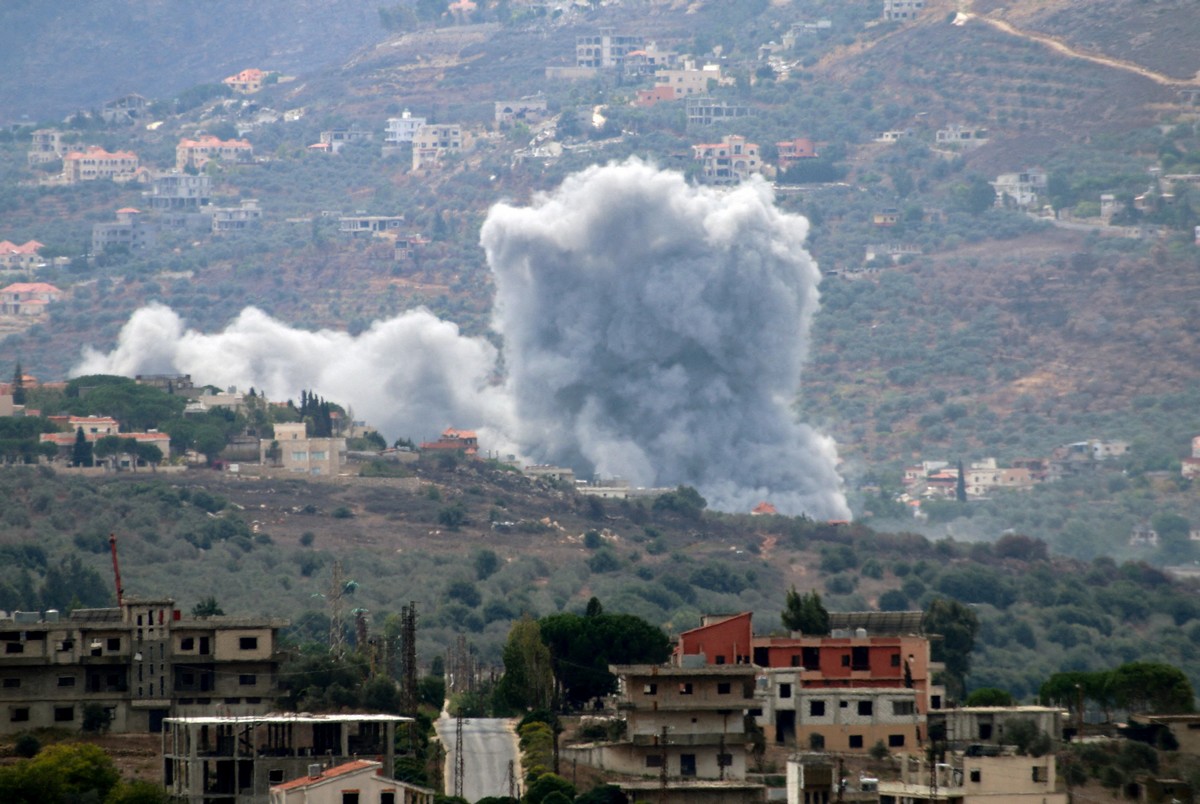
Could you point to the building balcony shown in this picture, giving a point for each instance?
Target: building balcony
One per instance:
(677, 739)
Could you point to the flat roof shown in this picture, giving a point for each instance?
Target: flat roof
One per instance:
(298, 717)
(673, 670)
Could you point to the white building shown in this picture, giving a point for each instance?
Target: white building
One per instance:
(402, 129)
(361, 780)
(294, 451)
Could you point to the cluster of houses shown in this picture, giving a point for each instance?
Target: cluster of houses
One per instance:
(938, 479)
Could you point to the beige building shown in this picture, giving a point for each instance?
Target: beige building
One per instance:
(96, 163)
(247, 81)
(729, 161)
(986, 724)
(606, 49)
(143, 661)
(433, 141)
(294, 451)
(45, 146)
(839, 720)
(690, 80)
(360, 780)
(999, 779)
(237, 760)
(197, 153)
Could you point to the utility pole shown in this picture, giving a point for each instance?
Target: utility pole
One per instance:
(337, 631)
(841, 775)
(408, 657)
(459, 764)
(512, 780)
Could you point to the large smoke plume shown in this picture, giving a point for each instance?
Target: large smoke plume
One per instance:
(651, 330)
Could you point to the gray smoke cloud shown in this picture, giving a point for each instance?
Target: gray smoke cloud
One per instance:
(656, 331)
(651, 330)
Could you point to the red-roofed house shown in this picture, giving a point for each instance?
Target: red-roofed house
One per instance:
(22, 256)
(27, 298)
(199, 152)
(360, 780)
(792, 151)
(97, 163)
(452, 439)
(247, 81)
(649, 97)
(764, 509)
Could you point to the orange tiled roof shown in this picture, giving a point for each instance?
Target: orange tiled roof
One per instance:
(96, 152)
(30, 287)
(764, 508)
(330, 773)
(208, 141)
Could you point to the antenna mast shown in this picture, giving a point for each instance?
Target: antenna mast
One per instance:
(112, 546)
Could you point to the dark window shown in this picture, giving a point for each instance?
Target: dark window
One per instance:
(64, 714)
(865, 708)
(687, 764)
(251, 643)
(856, 741)
(14, 647)
(66, 644)
(387, 797)
(845, 660)
(114, 643)
(895, 740)
(816, 708)
(976, 775)
(650, 689)
(860, 659)
(253, 700)
(685, 688)
(187, 643)
(723, 688)
(10, 683)
(795, 660)
(654, 760)
(895, 660)
(349, 797)
(811, 657)
(66, 681)
(720, 660)
(275, 776)
(20, 714)
(785, 690)
(935, 702)
(902, 707)
(725, 760)
(816, 742)
(985, 731)
(233, 700)
(1041, 773)
(756, 712)
(247, 679)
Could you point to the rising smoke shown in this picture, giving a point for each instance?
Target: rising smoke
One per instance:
(651, 330)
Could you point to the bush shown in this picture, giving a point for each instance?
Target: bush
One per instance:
(342, 512)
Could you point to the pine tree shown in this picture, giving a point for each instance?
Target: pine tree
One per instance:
(18, 385)
(960, 488)
(81, 453)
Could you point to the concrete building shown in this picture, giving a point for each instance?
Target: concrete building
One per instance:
(795, 150)
(962, 136)
(969, 725)
(24, 257)
(999, 779)
(246, 215)
(370, 224)
(454, 440)
(705, 111)
(237, 760)
(433, 141)
(606, 49)
(247, 81)
(529, 109)
(1020, 189)
(176, 191)
(27, 298)
(902, 10)
(132, 230)
(46, 145)
(691, 81)
(96, 163)
(143, 661)
(729, 161)
(294, 451)
(196, 153)
(360, 780)
(335, 138)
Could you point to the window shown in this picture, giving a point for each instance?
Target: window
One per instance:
(11, 683)
(187, 643)
(14, 647)
(816, 709)
(723, 688)
(297, 455)
(248, 643)
(349, 797)
(233, 700)
(902, 707)
(275, 776)
(19, 714)
(811, 658)
(895, 740)
(654, 760)
(895, 660)
(66, 681)
(247, 679)
(66, 644)
(319, 456)
(387, 797)
(856, 741)
(687, 764)
(985, 731)
(935, 702)
(650, 689)
(866, 708)
(1041, 773)
(726, 760)
(720, 660)
(816, 742)
(114, 643)
(685, 688)
(785, 690)
(860, 659)
(795, 660)
(845, 660)
(976, 775)
(64, 714)
(755, 712)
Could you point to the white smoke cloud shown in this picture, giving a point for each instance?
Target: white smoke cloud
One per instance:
(651, 330)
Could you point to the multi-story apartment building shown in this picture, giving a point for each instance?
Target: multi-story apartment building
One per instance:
(402, 129)
(246, 215)
(729, 161)
(45, 146)
(902, 9)
(606, 49)
(197, 153)
(131, 230)
(22, 257)
(178, 191)
(433, 141)
(97, 163)
(247, 81)
(238, 759)
(143, 661)
(982, 778)
(294, 451)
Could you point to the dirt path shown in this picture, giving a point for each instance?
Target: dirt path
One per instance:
(1067, 50)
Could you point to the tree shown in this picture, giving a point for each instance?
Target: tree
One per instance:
(805, 613)
(528, 680)
(81, 453)
(96, 718)
(77, 771)
(18, 385)
(1152, 687)
(208, 607)
(137, 792)
(957, 625)
(546, 785)
(990, 696)
(148, 453)
(960, 486)
(1027, 737)
(684, 500)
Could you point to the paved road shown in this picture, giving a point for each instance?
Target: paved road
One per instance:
(489, 744)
